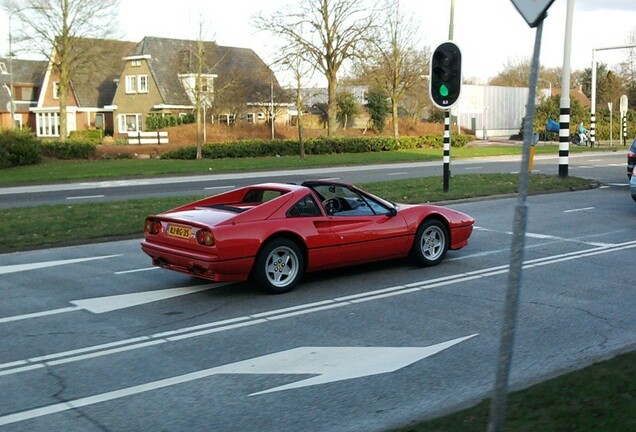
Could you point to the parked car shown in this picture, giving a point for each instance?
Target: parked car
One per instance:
(631, 159)
(632, 184)
(273, 233)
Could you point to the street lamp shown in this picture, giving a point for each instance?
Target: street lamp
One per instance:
(11, 100)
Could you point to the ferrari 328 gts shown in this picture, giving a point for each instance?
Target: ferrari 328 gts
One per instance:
(273, 233)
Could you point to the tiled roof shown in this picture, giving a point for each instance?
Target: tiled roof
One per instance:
(170, 57)
(95, 74)
(25, 72)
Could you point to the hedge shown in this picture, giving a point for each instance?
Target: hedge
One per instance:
(314, 146)
(68, 149)
(18, 147)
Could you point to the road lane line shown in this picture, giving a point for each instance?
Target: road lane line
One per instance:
(39, 314)
(40, 265)
(264, 317)
(82, 197)
(136, 270)
(218, 187)
(578, 209)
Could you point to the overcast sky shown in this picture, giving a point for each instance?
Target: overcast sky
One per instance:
(489, 32)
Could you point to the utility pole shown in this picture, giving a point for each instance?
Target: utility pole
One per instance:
(564, 117)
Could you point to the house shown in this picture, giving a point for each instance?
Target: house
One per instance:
(97, 65)
(26, 76)
(159, 77)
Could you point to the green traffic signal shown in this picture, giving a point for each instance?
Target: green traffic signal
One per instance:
(445, 75)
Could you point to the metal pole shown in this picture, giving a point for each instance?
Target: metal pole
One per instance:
(447, 149)
(272, 105)
(498, 402)
(11, 98)
(593, 102)
(564, 118)
(447, 115)
(452, 20)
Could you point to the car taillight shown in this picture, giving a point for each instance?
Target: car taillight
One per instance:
(631, 154)
(153, 226)
(205, 237)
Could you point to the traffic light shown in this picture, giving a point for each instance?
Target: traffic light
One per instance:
(446, 75)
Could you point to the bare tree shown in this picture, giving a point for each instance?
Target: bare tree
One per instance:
(326, 33)
(396, 63)
(55, 29)
(300, 70)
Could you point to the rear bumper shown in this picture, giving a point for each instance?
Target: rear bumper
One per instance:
(196, 264)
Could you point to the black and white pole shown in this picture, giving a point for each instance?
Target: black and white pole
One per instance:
(593, 102)
(564, 137)
(447, 149)
(624, 130)
(564, 114)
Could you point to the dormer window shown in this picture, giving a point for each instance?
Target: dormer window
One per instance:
(136, 63)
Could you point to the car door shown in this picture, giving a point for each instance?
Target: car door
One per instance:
(366, 230)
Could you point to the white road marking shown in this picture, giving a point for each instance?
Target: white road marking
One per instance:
(619, 184)
(397, 173)
(34, 266)
(100, 305)
(331, 364)
(137, 270)
(218, 187)
(81, 197)
(579, 209)
(473, 168)
(546, 237)
(299, 310)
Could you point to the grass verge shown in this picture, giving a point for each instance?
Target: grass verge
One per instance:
(598, 398)
(57, 171)
(67, 224)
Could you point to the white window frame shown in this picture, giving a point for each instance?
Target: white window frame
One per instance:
(142, 83)
(56, 90)
(48, 124)
(123, 123)
(131, 84)
(136, 63)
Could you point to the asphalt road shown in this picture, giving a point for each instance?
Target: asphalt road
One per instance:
(584, 165)
(94, 339)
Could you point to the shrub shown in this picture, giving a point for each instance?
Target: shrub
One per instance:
(18, 147)
(68, 149)
(90, 136)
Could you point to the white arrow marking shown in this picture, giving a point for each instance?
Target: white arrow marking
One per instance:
(332, 363)
(99, 305)
(33, 266)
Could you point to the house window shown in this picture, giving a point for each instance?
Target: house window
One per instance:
(226, 118)
(136, 63)
(48, 124)
(129, 123)
(131, 83)
(56, 90)
(3, 69)
(17, 121)
(142, 81)
(99, 121)
(251, 117)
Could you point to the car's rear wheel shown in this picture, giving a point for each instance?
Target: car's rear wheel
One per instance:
(279, 266)
(431, 243)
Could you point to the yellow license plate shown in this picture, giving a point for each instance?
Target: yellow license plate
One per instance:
(179, 231)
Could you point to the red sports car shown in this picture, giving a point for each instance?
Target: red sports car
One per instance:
(273, 233)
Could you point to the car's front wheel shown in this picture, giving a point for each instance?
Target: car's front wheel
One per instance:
(279, 266)
(431, 243)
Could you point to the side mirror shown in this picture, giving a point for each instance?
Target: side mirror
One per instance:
(392, 212)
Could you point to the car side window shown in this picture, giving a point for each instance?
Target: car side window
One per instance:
(305, 207)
